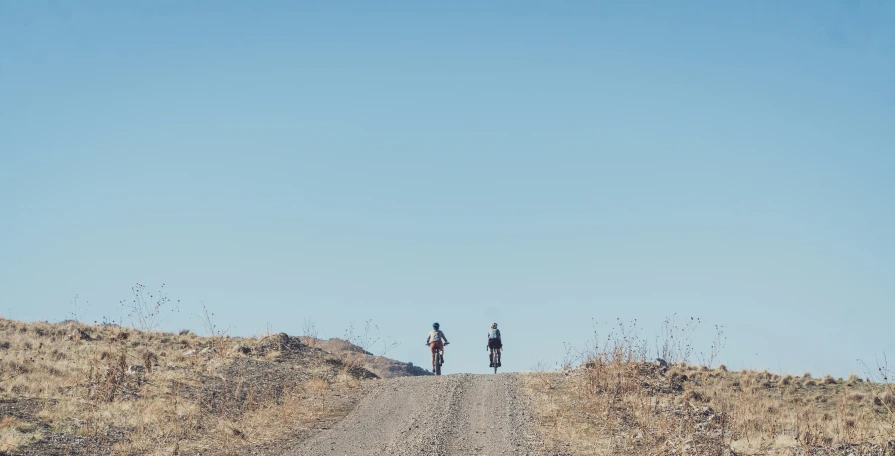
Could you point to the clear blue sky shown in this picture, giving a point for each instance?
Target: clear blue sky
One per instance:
(541, 165)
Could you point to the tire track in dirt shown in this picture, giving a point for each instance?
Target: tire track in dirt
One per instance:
(460, 414)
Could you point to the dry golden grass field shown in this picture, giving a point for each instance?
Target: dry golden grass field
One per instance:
(72, 388)
(617, 403)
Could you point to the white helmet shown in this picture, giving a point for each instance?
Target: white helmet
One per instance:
(493, 325)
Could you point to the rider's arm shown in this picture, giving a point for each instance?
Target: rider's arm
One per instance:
(443, 337)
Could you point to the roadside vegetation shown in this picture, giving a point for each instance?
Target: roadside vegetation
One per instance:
(73, 388)
(621, 401)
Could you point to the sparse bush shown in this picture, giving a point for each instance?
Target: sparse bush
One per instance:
(885, 398)
(309, 331)
(147, 311)
(149, 359)
(19, 389)
(674, 345)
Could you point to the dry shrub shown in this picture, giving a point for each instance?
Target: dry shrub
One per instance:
(885, 398)
(8, 421)
(149, 360)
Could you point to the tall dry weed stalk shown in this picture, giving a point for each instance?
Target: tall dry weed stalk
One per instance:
(147, 310)
(217, 338)
(675, 343)
(883, 381)
(309, 331)
(369, 342)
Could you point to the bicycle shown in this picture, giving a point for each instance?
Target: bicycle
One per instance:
(494, 355)
(438, 361)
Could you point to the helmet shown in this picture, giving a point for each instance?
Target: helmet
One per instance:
(435, 325)
(493, 325)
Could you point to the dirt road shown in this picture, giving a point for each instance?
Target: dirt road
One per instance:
(460, 414)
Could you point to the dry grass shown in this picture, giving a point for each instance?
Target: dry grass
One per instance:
(74, 388)
(617, 403)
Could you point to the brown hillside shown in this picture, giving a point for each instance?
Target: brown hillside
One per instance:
(71, 388)
(625, 406)
(379, 365)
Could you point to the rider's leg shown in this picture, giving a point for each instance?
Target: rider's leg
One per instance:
(498, 356)
(491, 356)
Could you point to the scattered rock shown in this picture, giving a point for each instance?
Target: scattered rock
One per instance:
(189, 352)
(661, 362)
(239, 348)
(79, 335)
(279, 342)
(136, 370)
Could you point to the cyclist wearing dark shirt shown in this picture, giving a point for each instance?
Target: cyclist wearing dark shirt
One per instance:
(495, 344)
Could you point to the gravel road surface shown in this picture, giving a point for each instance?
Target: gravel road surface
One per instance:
(461, 414)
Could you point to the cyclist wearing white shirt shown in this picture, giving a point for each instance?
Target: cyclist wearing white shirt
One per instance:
(436, 341)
